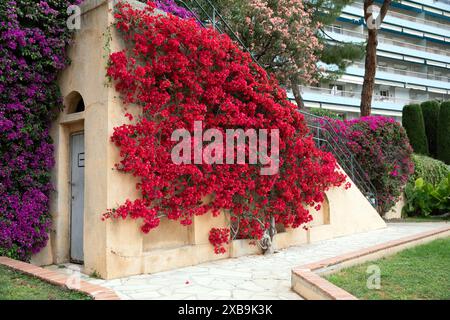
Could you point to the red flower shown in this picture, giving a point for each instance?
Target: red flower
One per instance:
(218, 237)
(201, 75)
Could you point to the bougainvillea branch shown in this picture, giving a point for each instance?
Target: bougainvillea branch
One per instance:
(175, 72)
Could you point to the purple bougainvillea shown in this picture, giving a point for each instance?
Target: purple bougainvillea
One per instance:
(171, 7)
(33, 37)
(381, 146)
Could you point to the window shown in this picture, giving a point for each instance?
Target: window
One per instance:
(384, 94)
(337, 89)
(336, 29)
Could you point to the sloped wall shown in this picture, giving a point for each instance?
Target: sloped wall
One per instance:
(349, 213)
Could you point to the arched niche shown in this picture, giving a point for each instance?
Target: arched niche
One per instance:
(74, 103)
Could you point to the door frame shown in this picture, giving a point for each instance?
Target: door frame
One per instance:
(71, 134)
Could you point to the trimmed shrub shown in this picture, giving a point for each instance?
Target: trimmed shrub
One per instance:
(443, 136)
(430, 170)
(430, 112)
(325, 113)
(412, 121)
(381, 147)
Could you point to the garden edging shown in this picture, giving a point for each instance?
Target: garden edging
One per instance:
(307, 282)
(95, 291)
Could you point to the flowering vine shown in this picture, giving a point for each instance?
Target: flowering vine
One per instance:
(174, 72)
(33, 37)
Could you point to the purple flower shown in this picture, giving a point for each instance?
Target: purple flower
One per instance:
(171, 7)
(33, 37)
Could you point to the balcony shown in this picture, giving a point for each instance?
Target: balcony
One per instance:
(362, 36)
(350, 101)
(360, 7)
(408, 73)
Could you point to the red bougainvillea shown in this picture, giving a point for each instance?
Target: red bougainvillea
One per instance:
(218, 237)
(175, 73)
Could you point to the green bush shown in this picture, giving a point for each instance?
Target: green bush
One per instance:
(431, 170)
(412, 121)
(325, 113)
(430, 112)
(443, 136)
(423, 199)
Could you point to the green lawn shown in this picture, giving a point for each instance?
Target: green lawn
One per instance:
(18, 286)
(422, 272)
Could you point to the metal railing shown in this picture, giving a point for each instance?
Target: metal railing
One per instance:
(406, 72)
(208, 15)
(327, 138)
(356, 94)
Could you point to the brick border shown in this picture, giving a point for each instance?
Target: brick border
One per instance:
(95, 291)
(307, 283)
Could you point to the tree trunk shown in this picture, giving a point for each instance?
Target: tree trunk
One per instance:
(272, 231)
(298, 96)
(369, 73)
(371, 53)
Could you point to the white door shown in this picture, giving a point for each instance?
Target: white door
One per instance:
(77, 197)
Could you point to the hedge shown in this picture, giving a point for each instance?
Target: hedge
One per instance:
(430, 170)
(325, 113)
(412, 121)
(430, 112)
(443, 136)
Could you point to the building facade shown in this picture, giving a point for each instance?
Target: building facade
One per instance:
(413, 59)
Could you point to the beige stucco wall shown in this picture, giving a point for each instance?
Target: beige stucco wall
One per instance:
(396, 211)
(116, 248)
(349, 213)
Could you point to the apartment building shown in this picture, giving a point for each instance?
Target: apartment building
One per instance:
(413, 59)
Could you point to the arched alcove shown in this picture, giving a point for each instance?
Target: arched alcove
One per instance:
(74, 103)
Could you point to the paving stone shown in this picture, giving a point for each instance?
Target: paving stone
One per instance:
(221, 293)
(250, 277)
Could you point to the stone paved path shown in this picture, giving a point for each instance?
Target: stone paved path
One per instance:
(251, 277)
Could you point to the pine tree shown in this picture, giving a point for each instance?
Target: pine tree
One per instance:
(371, 53)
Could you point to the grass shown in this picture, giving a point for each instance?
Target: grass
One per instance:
(15, 285)
(422, 272)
